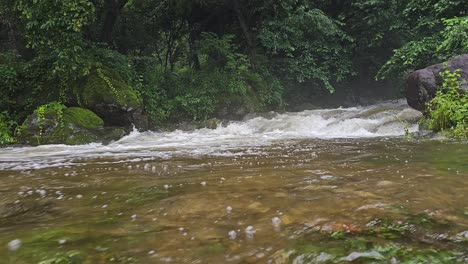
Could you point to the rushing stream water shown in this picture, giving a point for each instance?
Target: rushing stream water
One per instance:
(321, 186)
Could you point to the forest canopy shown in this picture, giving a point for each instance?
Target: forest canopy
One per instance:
(187, 59)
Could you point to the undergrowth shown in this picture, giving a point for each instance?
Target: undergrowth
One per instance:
(448, 111)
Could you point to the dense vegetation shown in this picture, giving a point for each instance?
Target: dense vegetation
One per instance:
(448, 111)
(195, 59)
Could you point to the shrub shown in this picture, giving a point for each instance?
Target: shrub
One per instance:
(448, 111)
(5, 129)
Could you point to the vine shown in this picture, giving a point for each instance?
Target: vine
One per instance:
(109, 83)
(41, 111)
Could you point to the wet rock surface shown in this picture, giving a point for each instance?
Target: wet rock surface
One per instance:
(73, 126)
(422, 85)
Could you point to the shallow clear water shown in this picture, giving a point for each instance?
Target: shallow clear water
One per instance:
(329, 185)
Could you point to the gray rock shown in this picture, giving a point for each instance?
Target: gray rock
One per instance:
(422, 85)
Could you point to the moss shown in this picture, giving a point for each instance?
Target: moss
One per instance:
(210, 250)
(77, 126)
(82, 117)
(79, 138)
(97, 91)
(142, 195)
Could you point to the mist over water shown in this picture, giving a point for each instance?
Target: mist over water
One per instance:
(388, 119)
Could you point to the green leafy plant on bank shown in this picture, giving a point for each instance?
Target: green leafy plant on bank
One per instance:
(448, 111)
(6, 124)
(444, 44)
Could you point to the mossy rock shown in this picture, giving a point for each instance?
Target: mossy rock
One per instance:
(72, 126)
(82, 117)
(107, 94)
(105, 87)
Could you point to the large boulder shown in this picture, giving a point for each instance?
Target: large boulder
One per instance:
(106, 93)
(422, 85)
(71, 126)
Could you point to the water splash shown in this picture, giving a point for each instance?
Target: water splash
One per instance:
(387, 119)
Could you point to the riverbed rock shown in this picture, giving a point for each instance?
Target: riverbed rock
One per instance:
(74, 126)
(422, 85)
(108, 95)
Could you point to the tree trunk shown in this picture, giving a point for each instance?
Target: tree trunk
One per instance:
(193, 36)
(112, 10)
(251, 43)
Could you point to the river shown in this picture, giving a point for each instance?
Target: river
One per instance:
(319, 186)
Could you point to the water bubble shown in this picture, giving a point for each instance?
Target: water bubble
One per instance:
(232, 234)
(79, 196)
(42, 193)
(250, 232)
(104, 206)
(276, 221)
(229, 209)
(14, 245)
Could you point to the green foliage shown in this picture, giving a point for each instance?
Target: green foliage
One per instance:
(192, 60)
(9, 71)
(455, 36)
(413, 55)
(307, 45)
(224, 79)
(221, 53)
(448, 111)
(55, 28)
(6, 125)
(437, 31)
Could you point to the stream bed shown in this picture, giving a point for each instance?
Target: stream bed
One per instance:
(321, 186)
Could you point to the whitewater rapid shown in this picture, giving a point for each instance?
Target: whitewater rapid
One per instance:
(388, 119)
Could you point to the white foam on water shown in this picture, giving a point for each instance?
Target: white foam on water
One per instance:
(389, 119)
